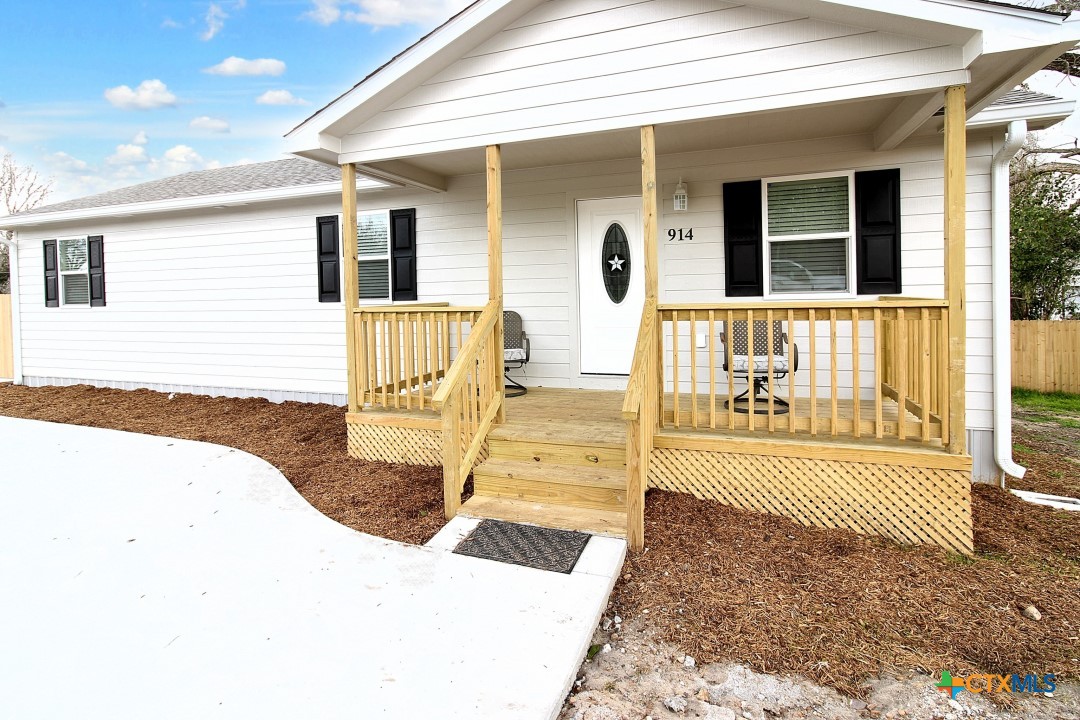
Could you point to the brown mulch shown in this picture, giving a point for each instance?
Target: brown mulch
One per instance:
(721, 583)
(729, 585)
(305, 441)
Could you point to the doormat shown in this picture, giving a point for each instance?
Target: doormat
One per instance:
(527, 545)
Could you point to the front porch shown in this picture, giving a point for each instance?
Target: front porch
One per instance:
(860, 422)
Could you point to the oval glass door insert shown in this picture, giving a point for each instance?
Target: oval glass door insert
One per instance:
(615, 263)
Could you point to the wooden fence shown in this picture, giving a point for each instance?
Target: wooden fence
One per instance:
(1046, 355)
(7, 356)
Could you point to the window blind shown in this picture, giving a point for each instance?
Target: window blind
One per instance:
(374, 279)
(76, 289)
(799, 266)
(73, 254)
(373, 234)
(806, 207)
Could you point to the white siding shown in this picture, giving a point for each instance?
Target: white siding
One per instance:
(226, 300)
(570, 67)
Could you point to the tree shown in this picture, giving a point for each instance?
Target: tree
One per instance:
(21, 189)
(1045, 240)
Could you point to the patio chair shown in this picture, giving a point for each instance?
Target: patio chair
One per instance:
(515, 351)
(741, 366)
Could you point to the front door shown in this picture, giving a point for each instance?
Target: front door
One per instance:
(611, 283)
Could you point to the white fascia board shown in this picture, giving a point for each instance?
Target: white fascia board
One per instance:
(1036, 113)
(403, 73)
(222, 200)
(819, 96)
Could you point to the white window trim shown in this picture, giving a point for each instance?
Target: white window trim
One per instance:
(388, 257)
(767, 240)
(60, 274)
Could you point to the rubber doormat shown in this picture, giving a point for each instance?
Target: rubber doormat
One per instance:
(535, 547)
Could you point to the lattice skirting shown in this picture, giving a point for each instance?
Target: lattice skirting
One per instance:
(905, 504)
(387, 443)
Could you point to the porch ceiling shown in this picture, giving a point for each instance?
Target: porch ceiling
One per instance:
(861, 117)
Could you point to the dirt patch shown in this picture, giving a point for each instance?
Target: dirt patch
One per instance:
(1046, 440)
(305, 441)
(634, 675)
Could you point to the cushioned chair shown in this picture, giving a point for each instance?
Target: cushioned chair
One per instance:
(515, 351)
(741, 363)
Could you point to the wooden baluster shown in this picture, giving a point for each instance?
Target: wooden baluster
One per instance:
(791, 371)
(813, 372)
(924, 349)
(835, 414)
(943, 375)
(385, 359)
(460, 334)
(407, 360)
(661, 365)
(712, 370)
(751, 368)
(693, 370)
(901, 375)
(730, 374)
(421, 355)
(770, 336)
(675, 366)
(395, 357)
(372, 357)
(856, 417)
(879, 377)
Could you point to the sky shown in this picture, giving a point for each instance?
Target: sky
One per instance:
(99, 94)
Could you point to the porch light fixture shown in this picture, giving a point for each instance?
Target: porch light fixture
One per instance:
(682, 200)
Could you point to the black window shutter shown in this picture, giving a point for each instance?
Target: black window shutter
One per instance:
(52, 275)
(329, 259)
(742, 239)
(877, 232)
(403, 254)
(95, 250)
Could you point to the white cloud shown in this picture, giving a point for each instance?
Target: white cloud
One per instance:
(149, 95)
(184, 158)
(128, 154)
(279, 97)
(209, 124)
(385, 13)
(170, 24)
(63, 162)
(216, 15)
(140, 138)
(239, 66)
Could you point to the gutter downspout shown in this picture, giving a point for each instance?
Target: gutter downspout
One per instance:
(16, 324)
(1002, 309)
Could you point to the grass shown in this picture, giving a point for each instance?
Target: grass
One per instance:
(1057, 401)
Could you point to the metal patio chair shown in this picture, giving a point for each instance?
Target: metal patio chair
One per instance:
(515, 351)
(741, 364)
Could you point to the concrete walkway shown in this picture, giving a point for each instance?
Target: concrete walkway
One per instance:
(146, 577)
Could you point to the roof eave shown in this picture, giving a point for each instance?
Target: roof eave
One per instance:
(1043, 113)
(219, 200)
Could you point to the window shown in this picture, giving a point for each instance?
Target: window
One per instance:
(809, 236)
(74, 271)
(373, 246)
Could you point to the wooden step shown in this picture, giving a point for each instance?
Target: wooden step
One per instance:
(582, 486)
(564, 517)
(598, 434)
(557, 453)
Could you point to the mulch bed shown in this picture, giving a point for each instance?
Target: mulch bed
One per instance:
(1049, 451)
(721, 583)
(305, 441)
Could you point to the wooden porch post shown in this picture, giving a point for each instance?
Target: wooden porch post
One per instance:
(495, 264)
(648, 207)
(955, 260)
(352, 290)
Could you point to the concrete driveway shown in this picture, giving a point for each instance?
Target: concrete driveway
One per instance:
(145, 577)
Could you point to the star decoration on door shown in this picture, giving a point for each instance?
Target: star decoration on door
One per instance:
(616, 263)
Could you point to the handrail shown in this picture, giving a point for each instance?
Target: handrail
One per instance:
(416, 307)
(642, 349)
(458, 370)
(890, 302)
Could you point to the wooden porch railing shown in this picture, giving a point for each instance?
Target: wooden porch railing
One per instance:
(866, 368)
(405, 351)
(469, 398)
(639, 410)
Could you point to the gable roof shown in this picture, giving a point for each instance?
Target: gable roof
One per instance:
(290, 172)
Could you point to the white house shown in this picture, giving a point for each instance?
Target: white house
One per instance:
(836, 172)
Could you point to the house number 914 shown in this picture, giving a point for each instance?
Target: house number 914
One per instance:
(680, 235)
